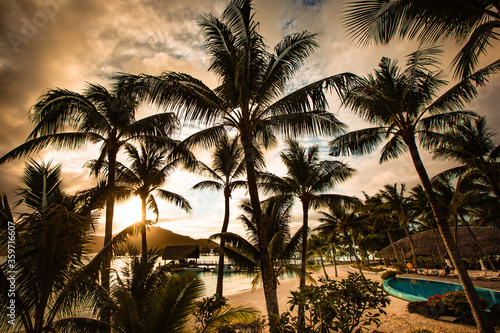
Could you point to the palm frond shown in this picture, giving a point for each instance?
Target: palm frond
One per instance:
(358, 142)
(176, 199)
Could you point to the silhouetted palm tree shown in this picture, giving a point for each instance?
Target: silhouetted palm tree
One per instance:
(252, 97)
(404, 109)
(244, 251)
(471, 144)
(474, 22)
(150, 167)
(52, 280)
(307, 179)
(402, 210)
(227, 168)
(318, 247)
(69, 120)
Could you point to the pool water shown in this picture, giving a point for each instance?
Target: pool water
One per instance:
(420, 290)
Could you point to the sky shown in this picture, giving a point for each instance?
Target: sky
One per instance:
(47, 44)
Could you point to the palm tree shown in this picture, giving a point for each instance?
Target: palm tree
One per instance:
(151, 165)
(401, 106)
(148, 300)
(474, 22)
(244, 251)
(250, 98)
(342, 221)
(401, 207)
(471, 144)
(227, 167)
(66, 119)
(307, 179)
(318, 247)
(51, 279)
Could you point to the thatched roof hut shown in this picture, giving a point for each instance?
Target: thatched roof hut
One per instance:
(425, 244)
(180, 252)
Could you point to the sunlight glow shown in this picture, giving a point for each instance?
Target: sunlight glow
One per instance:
(128, 213)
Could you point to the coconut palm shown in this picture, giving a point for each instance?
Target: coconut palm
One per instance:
(318, 247)
(342, 221)
(252, 97)
(227, 168)
(404, 109)
(307, 179)
(244, 251)
(66, 119)
(474, 22)
(51, 279)
(151, 165)
(471, 144)
(400, 205)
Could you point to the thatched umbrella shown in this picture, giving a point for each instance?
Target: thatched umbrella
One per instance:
(425, 244)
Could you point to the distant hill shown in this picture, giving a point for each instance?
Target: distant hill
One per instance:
(158, 238)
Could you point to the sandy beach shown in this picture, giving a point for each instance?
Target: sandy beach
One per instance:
(398, 319)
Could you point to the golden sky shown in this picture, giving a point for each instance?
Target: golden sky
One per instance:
(65, 43)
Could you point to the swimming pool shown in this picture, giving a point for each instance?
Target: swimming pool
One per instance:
(420, 290)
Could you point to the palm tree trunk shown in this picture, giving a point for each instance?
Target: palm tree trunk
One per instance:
(303, 263)
(444, 228)
(437, 243)
(390, 240)
(305, 227)
(323, 265)
(143, 231)
(225, 224)
(351, 249)
(412, 247)
(108, 233)
(265, 262)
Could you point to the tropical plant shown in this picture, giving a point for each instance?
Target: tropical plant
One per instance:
(148, 299)
(318, 248)
(400, 205)
(404, 108)
(151, 165)
(227, 167)
(471, 144)
(252, 98)
(244, 251)
(307, 179)
(474, 22)
(344, 222)
(52, 281)
(338, 306)
(66, 119)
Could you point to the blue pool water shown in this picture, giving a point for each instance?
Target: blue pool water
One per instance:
(420, 290)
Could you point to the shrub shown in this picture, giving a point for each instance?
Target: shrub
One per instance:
(400, 267)
(388, 275)
(495, 314)
(336, 306)
(417, 307)
(457, 303)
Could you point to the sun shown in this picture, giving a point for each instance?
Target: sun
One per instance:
(127, 213)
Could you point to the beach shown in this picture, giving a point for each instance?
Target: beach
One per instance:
(398, 319)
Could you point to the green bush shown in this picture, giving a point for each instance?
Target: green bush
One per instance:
(388, 275)
(400, 267)
(336, 306)
(457, 303)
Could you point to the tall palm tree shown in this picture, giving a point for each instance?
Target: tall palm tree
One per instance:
(404, 109)
(251, 97)
(66, 119)
(471, 144)
(227, 168)
(244, 251)
(51, 277)
(400, 205)
(307, 179)
(151, 165)
(473, 22)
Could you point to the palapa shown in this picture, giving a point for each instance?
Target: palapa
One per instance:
(425, 244)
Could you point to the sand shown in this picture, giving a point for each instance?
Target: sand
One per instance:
(398, 319)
